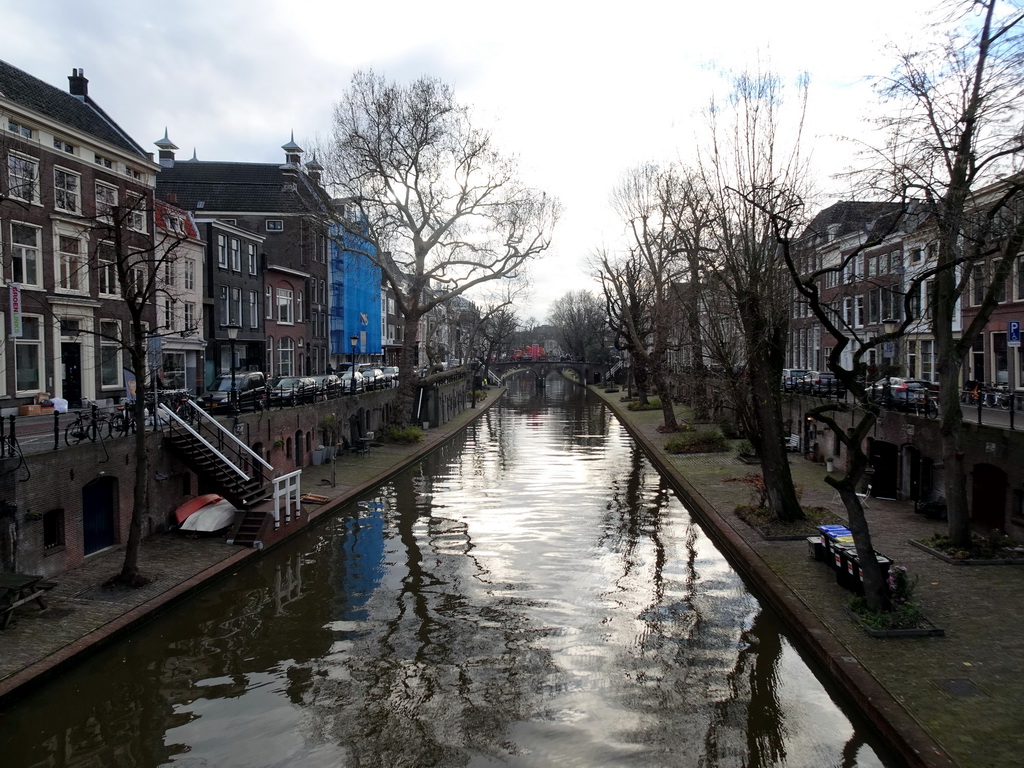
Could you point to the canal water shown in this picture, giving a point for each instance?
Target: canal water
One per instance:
(531, 594)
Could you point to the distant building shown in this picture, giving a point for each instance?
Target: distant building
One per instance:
(281, 203)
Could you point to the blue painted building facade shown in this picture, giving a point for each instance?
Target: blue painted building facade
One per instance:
(355, 300)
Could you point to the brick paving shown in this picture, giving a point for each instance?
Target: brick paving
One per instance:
(952, 700)
(949, 701)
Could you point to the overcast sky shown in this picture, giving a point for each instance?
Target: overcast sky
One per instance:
(580, 96)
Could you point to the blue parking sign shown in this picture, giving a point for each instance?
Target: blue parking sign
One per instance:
(1013, 333)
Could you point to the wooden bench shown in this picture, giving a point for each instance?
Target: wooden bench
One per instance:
(19, 593)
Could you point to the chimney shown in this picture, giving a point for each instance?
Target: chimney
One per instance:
(166, 147)
(78, 85)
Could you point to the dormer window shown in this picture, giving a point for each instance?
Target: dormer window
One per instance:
(63, 145)
(18, 128)
(275, 225)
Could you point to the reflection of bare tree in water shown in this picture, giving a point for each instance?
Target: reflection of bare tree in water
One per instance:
(703, 669)
(433, 677)
(752, 711)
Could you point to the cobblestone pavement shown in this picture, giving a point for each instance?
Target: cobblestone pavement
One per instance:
(963, 692)
(81, 615)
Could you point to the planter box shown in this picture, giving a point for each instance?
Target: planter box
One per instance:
(930, 630)
(958, 561)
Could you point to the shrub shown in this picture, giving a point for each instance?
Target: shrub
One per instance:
(700, 441)
(409, 436)
(745, 448)
(729, 429)
(653, 404)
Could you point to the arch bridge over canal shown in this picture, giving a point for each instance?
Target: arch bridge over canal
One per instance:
(585, 373)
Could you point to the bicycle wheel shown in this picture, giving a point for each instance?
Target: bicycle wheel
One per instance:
(75, 432)
(1004, 402)
(931, 410)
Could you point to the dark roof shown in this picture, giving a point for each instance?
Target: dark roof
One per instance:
(81, 113)
(237, 187)
(849, 216)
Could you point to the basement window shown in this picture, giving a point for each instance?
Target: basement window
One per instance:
(53, 529)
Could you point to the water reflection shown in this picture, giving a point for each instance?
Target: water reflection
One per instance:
(532, 594)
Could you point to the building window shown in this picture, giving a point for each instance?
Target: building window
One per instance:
(106, 200)
(286, 357)
(300, 315)
(236, 306)
(252, 259)
(110, 354)
(275, 225)
(106, 270)
(927, 359)
(71, 265)
(189, 271)
(168, 313)
(285, 309)
(28, 356)
(268, 303)
(225, 313)
(254, 309)
(270, 357)
(18, 128)
(23, 178)
(189, 317)
(63, 145)
(222, 251)
(66, 187)
(137, 213)
(103, 161)
(53, 528)
(979, 284)
(236, 255)
(25, 254)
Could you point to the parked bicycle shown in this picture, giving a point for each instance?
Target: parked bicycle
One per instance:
(88, 425)
(122, 422)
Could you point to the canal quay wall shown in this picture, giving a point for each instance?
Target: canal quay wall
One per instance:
(940, 701)
(87, 490)
(81, 616)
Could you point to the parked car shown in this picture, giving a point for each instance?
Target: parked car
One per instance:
(250, 388)
(372, 377)
(826, 384)
(790, 376)
(347, 385)
(903, 394)
(390, 375)
(804, 382)
(291, 390)
(328, 386)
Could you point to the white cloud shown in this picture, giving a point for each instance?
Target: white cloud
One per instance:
(580, 94)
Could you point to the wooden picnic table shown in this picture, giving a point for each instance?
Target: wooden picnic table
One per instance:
(20, 588)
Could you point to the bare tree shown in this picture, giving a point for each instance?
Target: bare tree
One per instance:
(955, 129)
(442, 211)
(648, 199)
(627, 290)
(581, 322)
(749, 177)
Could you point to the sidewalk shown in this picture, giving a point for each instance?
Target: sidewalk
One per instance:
(81, 616)
(953, 700)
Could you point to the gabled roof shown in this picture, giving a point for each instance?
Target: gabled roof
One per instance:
(80, 113)
(238, 187)
(848, 216)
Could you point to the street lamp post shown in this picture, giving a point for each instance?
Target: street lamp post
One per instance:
(232, 336)
(354, 340)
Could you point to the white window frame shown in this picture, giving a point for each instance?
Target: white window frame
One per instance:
(22, 251)
(189, 274)
(106, 271)
(222, 251)
(31, 179)
(236, 306)
(225, 307)
(137, 213)
(71, 269)
(254, 309)
(110, 347)
(189, 316)
(285, 307)
(236, 255)
(67, 190)
(39, 346)
(286, 357)
(268, 303)
(253, 261)
(106, 200)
